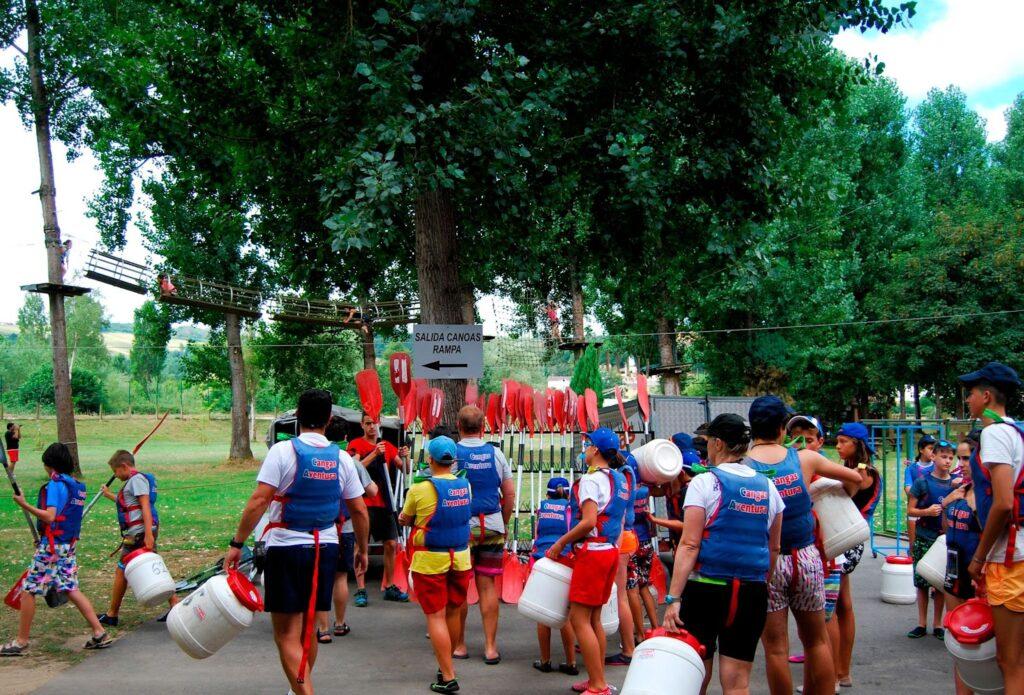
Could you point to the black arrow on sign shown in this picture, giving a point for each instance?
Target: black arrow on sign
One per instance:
(438, 366)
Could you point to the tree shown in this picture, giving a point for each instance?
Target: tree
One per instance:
(587, 374)
(87, 386)
(86, 322)
(152, 331)
(32, 322)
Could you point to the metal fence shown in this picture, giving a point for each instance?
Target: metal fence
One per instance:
(671, 414)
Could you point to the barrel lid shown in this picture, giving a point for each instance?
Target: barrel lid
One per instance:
(681, 635)
(134, 554)
(245, 591)
(899, 560)
(971, 622)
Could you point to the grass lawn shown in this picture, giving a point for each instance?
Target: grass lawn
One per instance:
(200, 499)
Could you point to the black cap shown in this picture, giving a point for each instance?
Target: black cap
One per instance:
(994, 373)
(926, 440)
(770, 409)
(730, 428)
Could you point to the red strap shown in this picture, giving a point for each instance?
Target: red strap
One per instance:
(734, 601)
(307, 638)
(482, 529)
(793, 583)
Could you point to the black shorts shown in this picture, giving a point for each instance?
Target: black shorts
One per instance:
(288, 578)
(382, 524)
(347, 553)
(704, 608)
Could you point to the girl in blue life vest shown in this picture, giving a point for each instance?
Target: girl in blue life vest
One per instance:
(598, 504)
(554, 519)
(731, 533)
(59, 510)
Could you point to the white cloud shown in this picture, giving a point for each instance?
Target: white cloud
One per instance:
(995, 118)
(976, 45)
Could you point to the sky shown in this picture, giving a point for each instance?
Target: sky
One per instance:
(974, 44)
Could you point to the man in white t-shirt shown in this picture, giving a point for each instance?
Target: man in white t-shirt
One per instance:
(997, 474)
(303, 482)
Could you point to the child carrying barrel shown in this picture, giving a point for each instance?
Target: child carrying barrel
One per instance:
(137, 519)
(58, 509)
(553, 521)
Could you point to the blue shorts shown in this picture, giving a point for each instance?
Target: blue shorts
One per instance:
(288, 578)
(347, 553)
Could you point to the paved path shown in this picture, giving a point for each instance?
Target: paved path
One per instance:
(387, 652)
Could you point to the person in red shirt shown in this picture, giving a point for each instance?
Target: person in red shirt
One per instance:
(379, 457)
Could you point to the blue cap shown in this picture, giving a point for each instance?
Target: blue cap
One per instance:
(769, 409)
(805, 420)
(690, 459)
(556, 483)
(604, 439)
(855, 430)
(995, 373)
(683, 441)
(442, 449)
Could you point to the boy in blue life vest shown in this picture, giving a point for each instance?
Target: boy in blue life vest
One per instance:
(997, 468)
(919, 467)
(59, 512)
(137, 519)
(926, 496)
(438, 509)
(554, 519)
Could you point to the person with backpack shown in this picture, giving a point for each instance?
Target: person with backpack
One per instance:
(137, 519)
(59, 509)
(554, 519)
(997, 468)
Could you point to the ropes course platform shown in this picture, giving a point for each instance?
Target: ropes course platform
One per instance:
(112, 270)
(326, 312)
(56, 288)
(214, 296)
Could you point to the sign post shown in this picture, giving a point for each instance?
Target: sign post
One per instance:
(448, 351)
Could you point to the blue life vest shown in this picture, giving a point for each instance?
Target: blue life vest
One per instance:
(123, 509)
(312, 501)
(447, 530)
(554, 519)
(936, 493)
(629, 473)
(642, 514)
(735, 542)
(484, 478)
(797, 519)
(610, 519)
(962, 528)
(983, 498)
(66, 526)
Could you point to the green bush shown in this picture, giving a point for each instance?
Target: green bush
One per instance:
(86, 389)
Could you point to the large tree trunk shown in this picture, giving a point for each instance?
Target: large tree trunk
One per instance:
(468, 305)
(369, 351)
(240, 448)
(51, 233)
(577, 307)
(437, 272)
(917, 401)
(667, 354)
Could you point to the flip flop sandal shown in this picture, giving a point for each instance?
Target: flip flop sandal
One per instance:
(581, 687)
(493, 661)
(324, 637)
(543, 666)
(341, 630)
(461, 657)
(101, 642)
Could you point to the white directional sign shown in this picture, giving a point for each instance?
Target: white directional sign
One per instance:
(448, 352)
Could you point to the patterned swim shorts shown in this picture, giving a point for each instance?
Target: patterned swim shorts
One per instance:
(487, 553)
(638, 571)
(808, 592)
(59, 568)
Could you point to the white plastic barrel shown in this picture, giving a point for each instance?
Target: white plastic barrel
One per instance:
(969, 639)
(932, 567)
(898, 580)
(610, 613)
(665, 663)
(545, 598)
(148, 577)
(660, 461)
(842, 526)
(214, 614)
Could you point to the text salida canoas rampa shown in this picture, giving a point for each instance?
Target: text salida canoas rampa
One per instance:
(447, 343)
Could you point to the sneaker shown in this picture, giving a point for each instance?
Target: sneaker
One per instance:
(939, 633)
(619, 659)
(918, 632)
(361, 598)
(451, 686)
(109, 620)
(569, 669)
(12, 648)
(393, 593)
(99, 642)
